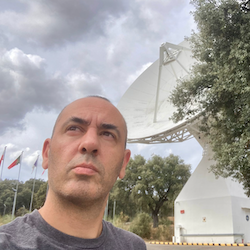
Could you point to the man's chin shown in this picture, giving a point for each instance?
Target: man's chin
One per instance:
(84, 197)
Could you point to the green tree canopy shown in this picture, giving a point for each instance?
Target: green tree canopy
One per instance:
(219, 85)
(40, 195)
(150, 184)
(123, 188)
(23, 195)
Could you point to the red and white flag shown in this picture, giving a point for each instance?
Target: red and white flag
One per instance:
(1, 159)
(43, 171)
(15, 162)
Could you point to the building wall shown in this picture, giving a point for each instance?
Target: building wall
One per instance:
(241, 218)
(211, 210)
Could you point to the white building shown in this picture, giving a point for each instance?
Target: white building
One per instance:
(210, 210)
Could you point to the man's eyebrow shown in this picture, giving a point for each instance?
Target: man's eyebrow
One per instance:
(77, 120)
(85, 122)
(111, 127)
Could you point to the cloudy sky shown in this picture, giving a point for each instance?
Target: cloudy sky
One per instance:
(53, 52)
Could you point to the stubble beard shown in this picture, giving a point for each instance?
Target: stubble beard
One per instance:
(78, 191)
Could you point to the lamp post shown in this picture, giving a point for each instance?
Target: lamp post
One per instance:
(114, 210)
(4, 209)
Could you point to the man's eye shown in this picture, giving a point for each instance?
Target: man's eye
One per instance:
(106, 133)
(73, 128)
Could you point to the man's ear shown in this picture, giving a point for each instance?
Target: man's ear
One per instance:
(126, 158)
(45, 153)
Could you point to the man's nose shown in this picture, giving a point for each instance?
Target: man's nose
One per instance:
(89, 142)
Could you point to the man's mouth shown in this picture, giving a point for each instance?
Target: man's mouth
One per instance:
(85, 169)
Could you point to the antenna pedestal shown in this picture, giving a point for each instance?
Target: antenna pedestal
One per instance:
(210, 210)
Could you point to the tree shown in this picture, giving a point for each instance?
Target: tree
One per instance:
(122, 190)
(245, 6)
(150, 184)
(40, 196)
(23, 195)
(23, 199)
(218, 87)
(7, 195)
(29, 184)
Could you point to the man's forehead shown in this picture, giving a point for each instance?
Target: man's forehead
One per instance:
(92, 107)
(88, 103)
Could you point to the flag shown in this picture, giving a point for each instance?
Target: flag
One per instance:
(35, 165)
(15, 162)
(43, 171)
(2, 155)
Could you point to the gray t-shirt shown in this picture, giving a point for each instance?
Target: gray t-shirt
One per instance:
(33, 232)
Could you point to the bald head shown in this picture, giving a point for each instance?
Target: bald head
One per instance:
(99, 103)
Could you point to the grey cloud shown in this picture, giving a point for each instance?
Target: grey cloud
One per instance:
(84, 84)
(26, 85)
(162, 19)
(49, 23)
(26, 81)
(13, 5)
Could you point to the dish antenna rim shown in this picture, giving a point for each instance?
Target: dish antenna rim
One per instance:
(145, 105)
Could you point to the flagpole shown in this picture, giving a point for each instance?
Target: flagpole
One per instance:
(14, 203)
(33, 188)
(3, 162)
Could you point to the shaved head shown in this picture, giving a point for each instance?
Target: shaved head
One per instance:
(93, 96)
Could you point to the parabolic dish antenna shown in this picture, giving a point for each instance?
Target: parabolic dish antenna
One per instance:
(207, 209)
(146, 106)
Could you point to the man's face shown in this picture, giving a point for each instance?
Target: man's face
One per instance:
(87, 151)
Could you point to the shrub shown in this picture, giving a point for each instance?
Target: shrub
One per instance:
(165, 221)
(21, 211)
(123, 218)
(141, 225)
(5, 219)
(161, 233)
(121, 221)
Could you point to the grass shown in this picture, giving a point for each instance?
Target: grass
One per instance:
(163, 232)
(5, 219)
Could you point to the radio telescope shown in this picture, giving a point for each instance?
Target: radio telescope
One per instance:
(207, 210)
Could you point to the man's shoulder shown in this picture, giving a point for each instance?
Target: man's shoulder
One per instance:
(126, 238)
(15, 232)
(14, 225)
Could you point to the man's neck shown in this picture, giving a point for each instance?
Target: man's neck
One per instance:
(79, 221)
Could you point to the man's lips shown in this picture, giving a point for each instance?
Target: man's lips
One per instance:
(85, 169)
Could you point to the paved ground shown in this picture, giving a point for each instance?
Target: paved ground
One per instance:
(173, 247)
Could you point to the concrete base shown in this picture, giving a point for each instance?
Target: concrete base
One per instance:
(210, 210)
